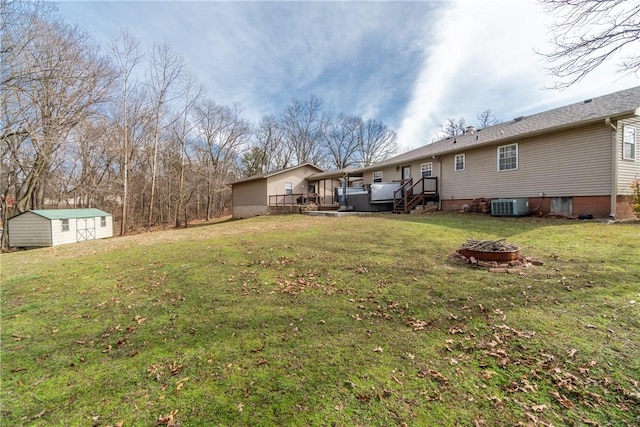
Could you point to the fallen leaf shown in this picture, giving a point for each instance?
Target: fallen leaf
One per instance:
(168, 419)
(539, 408)
(378, 349)
(562, 399)
(488, 374)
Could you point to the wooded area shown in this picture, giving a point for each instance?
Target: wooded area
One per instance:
(132, 131)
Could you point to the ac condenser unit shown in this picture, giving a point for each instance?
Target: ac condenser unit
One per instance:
(509, 207)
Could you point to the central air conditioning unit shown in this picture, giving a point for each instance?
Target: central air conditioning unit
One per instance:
(510, 207)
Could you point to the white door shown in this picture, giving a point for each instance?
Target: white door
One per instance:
(85, 229)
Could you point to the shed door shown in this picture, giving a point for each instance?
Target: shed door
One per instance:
(85, 229)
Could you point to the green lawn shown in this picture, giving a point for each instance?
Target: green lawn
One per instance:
(293, 320)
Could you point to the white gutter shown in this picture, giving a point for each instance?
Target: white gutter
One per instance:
(614, 167)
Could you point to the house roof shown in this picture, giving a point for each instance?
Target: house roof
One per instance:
(68, 213)
(337, 173)
(625, 103)
(272, 173)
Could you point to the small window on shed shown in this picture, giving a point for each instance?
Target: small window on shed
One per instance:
(629, 143)
(288, 187)
(65, 224)
(377, 177)
(103, 221)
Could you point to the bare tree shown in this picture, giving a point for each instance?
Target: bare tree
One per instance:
(376, 143)
(181, 130)
(58, 81)
(267, 150)
(587, 33)
(343, 140)
(452, 127)
(304, 124)
(164, 70)
(486, 119)
(126, 57)
(222, 132)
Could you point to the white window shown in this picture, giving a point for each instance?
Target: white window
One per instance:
(288, 187)
(426, 169)
(65, 225)
(459, 162)
(629, 143)
(377, 177)
(103, 221)
(508, 157)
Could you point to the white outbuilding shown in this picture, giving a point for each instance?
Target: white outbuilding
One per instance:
(51, 227)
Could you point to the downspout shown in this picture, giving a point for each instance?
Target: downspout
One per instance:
(439, 182)
(614, 167)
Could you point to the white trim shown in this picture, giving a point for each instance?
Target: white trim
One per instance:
(288, 191)
(455, 162)
(629, 139)
(515, 144)
(423, 169)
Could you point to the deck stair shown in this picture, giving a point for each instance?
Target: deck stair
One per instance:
(411, 194)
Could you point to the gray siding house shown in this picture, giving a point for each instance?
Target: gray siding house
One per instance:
(51, 227)
(573, 160)
(261, 194)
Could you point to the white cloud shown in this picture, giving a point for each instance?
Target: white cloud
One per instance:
(485, 57)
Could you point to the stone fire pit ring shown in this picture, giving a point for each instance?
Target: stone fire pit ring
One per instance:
(498, 256)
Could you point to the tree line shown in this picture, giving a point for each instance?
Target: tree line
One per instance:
(133, 132)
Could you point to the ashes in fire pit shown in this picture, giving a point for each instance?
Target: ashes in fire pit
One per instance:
(496, 255)
(490, 250)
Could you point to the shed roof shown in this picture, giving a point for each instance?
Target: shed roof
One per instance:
(69, 213)
(625, 103)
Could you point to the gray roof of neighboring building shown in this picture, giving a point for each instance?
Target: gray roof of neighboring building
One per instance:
(624, 103)
(68, 213)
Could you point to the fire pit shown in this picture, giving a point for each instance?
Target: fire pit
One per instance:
(495, 255)
(490, 250)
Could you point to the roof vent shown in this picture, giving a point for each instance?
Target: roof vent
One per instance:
(586, 101)
(517, 119)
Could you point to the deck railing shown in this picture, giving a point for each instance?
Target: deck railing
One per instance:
(294, 199)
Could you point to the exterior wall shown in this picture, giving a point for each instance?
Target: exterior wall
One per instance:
(325, 189)
(240, 212)
(107, 230)
(29, 230)
(275, 183)
(80, 230)
(252, 193)
(569, 163)
(598, 206)
(628, 170)
(623, 208)
(391, 173)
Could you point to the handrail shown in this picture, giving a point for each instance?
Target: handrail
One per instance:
(403, 201)
(291, 199)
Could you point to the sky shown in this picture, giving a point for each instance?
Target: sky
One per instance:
(410, 64)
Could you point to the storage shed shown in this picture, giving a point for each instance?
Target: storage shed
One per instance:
(51, 227)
